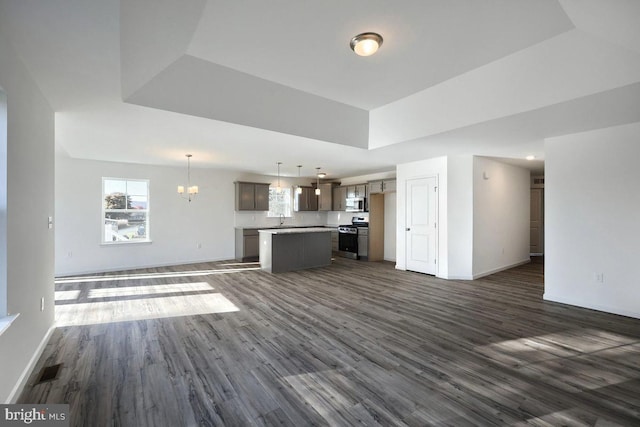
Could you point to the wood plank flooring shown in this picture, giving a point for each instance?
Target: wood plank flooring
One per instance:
(353, 343)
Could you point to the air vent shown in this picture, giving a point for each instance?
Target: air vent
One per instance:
(537, 182)
(49, 373)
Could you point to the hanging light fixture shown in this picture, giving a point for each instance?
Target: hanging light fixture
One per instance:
(298, 188)
(192, 190)
(278, 188)
(317, 181)
(366, 44)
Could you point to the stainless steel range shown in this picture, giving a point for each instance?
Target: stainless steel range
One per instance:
(353, 239)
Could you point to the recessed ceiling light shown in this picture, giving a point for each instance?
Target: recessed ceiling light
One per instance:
(530, 157)
(366, 44)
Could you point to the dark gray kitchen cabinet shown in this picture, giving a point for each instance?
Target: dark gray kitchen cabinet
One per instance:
(339, 198)
(252, 196)
(247, 244)
(359, 190)
(306, 201)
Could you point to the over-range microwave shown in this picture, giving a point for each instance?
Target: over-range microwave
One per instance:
(355, 204)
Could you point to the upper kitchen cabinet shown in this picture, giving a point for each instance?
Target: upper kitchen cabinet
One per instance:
(339, 198)
(382, 186)
(306, 201)
(359, 190)
(326, 197)
(252, 196)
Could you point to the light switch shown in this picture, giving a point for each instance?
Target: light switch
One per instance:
(50, 223)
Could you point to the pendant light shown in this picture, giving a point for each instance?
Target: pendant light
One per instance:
(278, 188)
(298, 188)
(317, 181)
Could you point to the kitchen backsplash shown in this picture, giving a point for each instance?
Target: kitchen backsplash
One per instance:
(260, 219)
(341, 218)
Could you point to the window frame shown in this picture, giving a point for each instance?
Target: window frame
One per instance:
(146, 211)
(271, 214)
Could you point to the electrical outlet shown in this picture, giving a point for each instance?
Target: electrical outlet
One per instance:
(50, 222)
(598, 277)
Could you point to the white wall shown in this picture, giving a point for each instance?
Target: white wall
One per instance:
(501, 226)
(591, 218)
(176, 226)
(30, 173)
(477, 218)
(422, 169)
(460, 217)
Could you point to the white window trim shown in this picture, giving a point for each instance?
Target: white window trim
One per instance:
(291, 195)
(147, 211)
(6, 321)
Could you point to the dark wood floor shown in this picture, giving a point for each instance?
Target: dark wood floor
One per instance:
(350, 344)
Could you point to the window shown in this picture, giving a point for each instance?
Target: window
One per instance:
(125, 207)
(279, 202)
(3, 205)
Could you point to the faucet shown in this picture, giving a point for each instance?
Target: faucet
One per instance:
(281, 219)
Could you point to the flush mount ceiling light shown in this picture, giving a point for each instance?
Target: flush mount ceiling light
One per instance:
(366, 44)
(530, 157)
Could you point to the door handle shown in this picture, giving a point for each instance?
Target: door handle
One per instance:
(408, 229)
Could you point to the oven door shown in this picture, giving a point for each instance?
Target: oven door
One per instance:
(348, 244)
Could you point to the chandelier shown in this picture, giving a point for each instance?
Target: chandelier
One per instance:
(192, 190)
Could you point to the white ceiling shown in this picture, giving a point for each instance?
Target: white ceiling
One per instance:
(244, 84)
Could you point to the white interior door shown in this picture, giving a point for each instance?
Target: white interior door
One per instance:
(422, 225)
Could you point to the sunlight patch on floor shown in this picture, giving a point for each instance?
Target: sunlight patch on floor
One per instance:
(324, 392)
(548, 356)
(565, 343)
(240, 263)
(138, 276)
(92, 313)
(149, 290)
(67, 295)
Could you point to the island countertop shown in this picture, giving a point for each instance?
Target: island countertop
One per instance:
(295, 230)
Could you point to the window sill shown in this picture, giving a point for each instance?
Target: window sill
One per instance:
(6, 321)
(130, 242)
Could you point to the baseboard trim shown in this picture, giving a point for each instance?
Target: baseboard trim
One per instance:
(596, 307)
(22, 381)
(456, 277)
(139, 267)
(506, 267)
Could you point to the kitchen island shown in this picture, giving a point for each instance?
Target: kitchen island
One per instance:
(290, 249)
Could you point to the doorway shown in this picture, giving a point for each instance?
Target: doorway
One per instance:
(422, 225)
(536, 239)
